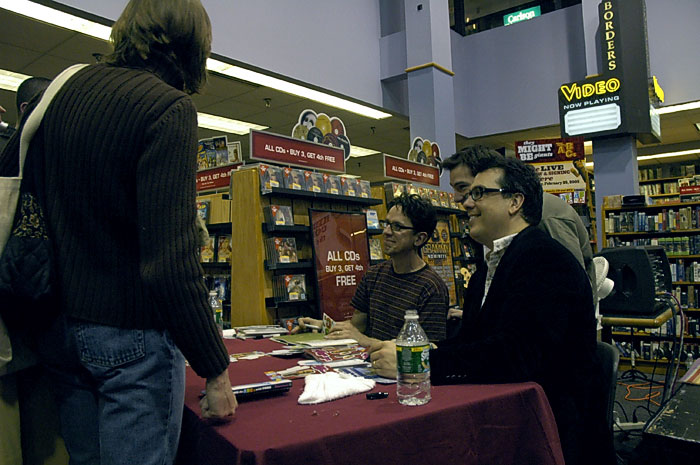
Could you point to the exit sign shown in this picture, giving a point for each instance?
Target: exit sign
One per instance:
(522, 15)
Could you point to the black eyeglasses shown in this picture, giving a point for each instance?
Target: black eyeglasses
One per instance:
(478, 192)
(395, 227)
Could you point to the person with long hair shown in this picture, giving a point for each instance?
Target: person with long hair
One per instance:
(114, 161)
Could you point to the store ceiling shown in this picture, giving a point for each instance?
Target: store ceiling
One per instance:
(38, 49)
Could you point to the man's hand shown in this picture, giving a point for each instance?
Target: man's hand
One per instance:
(304, 321)
(219, 403)
(454, 313)
(346, 330)
(383, 357)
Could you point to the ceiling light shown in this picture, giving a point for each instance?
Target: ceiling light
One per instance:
(356, 151)
(660, 155)
(10, 80)
(219, 123)
(294, 89)
(669, 154)
(682, 107)
(57, 18)
(100, 31)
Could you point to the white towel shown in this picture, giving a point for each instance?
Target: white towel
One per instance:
(332, 385)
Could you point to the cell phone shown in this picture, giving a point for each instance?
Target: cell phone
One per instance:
(376, 395)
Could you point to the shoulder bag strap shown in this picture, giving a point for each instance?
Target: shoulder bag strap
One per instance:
(34, 119)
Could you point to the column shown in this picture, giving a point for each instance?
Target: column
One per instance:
(430, 87)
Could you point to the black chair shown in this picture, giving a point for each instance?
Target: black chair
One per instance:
(608, 359)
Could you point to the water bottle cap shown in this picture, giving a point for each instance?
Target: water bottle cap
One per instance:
(213, 293)
(411, 314)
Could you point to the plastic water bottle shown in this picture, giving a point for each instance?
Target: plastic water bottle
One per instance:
(412, 362)
(218, 310)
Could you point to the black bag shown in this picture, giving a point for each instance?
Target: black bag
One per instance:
(26, 284)
(26, 271)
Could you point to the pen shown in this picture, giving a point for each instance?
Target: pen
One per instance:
(317, 328)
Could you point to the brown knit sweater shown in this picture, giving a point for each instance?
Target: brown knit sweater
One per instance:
(115, 159)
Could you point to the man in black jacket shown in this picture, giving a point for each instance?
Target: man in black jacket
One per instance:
(528, 311)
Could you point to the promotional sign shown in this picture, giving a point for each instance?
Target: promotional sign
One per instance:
(341, 258)
(322, 129)
(215, 178)
(404, 170)
(438, 254)
(283, 150)
(618, 101)
(559, 163)
(425, 152)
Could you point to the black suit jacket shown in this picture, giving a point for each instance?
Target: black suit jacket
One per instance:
(537, 324)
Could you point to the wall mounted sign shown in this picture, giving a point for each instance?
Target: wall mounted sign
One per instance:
(265, 146)
(618, 101)
(404, 170)
(560, 164)
(322, 129)
(341, 258)
(522, 15)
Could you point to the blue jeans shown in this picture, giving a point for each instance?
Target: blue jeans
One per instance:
(120, 392)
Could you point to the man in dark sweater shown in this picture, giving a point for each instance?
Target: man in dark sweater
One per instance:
(114, 161)
(403, 283)
(528, 311)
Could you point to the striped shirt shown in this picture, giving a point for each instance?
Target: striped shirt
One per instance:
(385, 295)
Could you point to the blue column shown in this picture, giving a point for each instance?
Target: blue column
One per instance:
(615, 159)
(616, 172)
(430, 86)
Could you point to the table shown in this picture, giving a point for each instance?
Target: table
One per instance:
(654, 321)
(466, 424)
(674, 432)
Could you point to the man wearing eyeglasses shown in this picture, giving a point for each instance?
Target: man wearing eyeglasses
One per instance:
(405, 282)
(528, 310)
(559, 218)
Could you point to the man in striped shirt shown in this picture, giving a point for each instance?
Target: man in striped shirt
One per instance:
(405, 282)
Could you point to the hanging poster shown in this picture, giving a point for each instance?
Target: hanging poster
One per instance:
(438, 254)
(560, 164)
(341, 258)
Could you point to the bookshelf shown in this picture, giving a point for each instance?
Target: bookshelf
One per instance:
(675, 227)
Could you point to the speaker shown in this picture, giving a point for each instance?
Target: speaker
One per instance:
(639, 273)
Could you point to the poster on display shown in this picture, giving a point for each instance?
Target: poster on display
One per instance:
(322, 129)
(235, 155)
(341, 258)
(437, 253)
(560, 163)
(425, 152)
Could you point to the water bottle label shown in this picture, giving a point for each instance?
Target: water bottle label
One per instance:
(414, 359)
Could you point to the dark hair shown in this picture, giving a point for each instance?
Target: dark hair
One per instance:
(471, 156)
(172, 39)
(29, 88)
(518, 177)
(420, 211)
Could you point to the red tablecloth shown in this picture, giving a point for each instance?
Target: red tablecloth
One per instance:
(466, 424)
